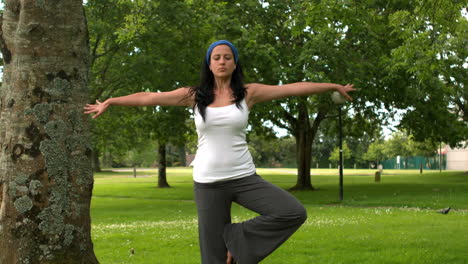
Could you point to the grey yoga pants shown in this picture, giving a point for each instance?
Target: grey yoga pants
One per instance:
(250, 241)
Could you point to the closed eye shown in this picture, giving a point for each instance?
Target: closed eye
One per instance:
(226, 57)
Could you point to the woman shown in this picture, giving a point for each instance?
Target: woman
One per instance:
(223, 168)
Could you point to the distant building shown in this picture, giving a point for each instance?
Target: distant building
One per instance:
(457, 159)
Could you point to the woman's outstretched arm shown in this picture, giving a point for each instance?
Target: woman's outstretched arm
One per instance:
(258, 92)
(178, 97)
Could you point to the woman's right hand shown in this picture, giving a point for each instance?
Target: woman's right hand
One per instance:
(98, 108)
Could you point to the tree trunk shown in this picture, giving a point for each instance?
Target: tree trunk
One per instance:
(304, 134)
(96, 163)
(162, 181)
(46, 175)
(182, 157)
(304, 155)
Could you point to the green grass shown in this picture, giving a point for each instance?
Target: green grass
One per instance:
(394, 221)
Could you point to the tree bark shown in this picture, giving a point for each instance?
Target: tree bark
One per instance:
(182, 155)
(46, 175)
(303, 149)
(162, 180)
(305, 135)
(96, 163)
(304, 155)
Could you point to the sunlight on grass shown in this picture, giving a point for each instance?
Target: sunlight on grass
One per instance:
(394, 221)
(183, 224)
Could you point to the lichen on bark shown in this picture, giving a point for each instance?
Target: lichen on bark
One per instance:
(23, 204)
(41, 112)
(21, 178)
(60, 89)
(57, 130)
(43, 143)
(34, 185)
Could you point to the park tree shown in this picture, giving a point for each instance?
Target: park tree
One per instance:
(419, 64)
(279, 45)
(167, 126)
(359, 146)
(162, 44)
(45, 153)
(323, 146)
(358, 132)
(325, 41)
(432, 58)
(269, 151)
(335, 155)
(114, 134)
(164, 35)
(398, 145)
(108, 60)
(390, 50)
(426, 149)
(375, 152)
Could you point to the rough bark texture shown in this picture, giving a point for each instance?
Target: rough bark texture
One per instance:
(162, 180)
(45, 155)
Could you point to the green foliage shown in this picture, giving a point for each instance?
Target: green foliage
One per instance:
(427, 148)
(149, 52)
(335, 155)
(272, 152)
(400, 144)
(376, 152)
(143, 156)
(358, 133)
(397, 145)
(109, 56)
(402, 55)
(322, 147)
(431, 58)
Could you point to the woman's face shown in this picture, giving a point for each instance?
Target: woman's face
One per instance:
(222, 61)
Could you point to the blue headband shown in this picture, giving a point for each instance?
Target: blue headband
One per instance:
(221, 42)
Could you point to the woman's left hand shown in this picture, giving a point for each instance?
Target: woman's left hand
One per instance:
(345, 89)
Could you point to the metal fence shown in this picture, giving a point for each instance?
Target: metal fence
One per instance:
(415, 162)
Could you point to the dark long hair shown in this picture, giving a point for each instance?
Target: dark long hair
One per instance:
(204, 93)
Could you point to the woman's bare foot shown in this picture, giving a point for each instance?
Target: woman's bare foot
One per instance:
(230, 259)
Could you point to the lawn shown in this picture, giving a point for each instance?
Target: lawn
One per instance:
(394, 221)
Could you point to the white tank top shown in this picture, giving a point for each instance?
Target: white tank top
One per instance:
(222, 152)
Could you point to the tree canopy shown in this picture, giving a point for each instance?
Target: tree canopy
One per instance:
(407, 55)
